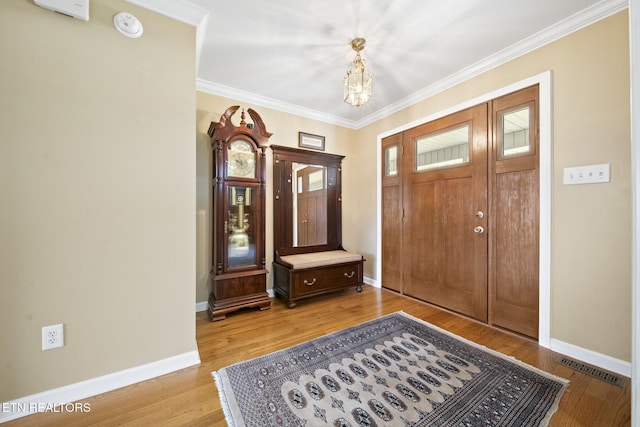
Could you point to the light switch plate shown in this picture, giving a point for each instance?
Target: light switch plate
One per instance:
(591, 174)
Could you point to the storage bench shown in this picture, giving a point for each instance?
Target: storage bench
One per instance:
(315, 273)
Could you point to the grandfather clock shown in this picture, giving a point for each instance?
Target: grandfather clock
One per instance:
(238, 272)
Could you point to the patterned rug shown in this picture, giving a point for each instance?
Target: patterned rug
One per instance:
(396, 370)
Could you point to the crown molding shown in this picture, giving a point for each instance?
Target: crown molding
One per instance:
(275, 104)
(562, 29)
(194, 15)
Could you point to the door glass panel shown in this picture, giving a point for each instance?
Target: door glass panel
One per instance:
(447, 148)
(316, 180)
(391, 161)
(515, 132)
(240, 226)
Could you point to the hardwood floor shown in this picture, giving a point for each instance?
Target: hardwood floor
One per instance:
(189, 396)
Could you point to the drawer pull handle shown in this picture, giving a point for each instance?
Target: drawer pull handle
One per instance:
(349, 276)
(311, 283)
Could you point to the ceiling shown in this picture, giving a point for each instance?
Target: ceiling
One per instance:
(292, 55)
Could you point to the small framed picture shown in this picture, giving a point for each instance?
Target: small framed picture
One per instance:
(307, 140)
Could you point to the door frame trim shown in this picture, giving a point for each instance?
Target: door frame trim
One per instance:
(544, 80)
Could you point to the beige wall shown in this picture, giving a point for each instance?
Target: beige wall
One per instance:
(591, 224)
(97, 190)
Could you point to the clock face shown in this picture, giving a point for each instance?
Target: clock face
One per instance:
(241, 159)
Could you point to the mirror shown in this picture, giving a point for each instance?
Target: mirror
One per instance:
(309, 189)
(307, 206)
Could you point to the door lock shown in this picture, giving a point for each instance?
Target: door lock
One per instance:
(479, 230)
(479, 214)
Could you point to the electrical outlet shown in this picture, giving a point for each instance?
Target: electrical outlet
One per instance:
(52, 336)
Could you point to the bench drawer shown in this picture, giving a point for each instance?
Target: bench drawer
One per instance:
(321, 279)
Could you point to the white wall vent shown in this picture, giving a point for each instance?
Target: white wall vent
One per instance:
(78, 9)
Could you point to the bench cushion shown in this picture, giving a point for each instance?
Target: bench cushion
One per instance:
(319, 259)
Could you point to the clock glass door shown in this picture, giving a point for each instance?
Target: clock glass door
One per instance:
(240, 227)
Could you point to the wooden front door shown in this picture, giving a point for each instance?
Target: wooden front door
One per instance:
(460, 212)
(445, 184)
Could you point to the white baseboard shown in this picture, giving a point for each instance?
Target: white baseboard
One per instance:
(591, 357)
(371, 282)
(60, 397)
(201, 306)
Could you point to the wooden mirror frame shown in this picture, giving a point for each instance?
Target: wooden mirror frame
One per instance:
(283, 158)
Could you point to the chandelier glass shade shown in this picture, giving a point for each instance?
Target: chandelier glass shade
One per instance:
(358, 82)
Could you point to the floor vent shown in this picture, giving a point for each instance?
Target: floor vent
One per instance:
(598, 373)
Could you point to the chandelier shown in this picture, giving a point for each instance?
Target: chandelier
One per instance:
(357, 84)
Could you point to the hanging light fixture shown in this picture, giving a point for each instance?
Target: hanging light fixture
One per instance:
(357, 84)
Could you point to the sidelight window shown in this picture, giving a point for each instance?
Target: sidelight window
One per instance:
(515, 132)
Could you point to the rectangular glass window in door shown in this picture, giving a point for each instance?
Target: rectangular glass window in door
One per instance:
(316, 180)
(448, 148)
(515, 132)
(391, 161)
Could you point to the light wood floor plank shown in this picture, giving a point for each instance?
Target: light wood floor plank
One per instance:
(189, 396)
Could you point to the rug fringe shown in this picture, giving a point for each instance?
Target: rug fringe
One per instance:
(226, 409)
(554, 408)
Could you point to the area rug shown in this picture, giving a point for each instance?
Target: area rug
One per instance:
(396, 370)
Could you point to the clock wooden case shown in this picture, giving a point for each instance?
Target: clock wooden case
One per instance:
(238, 271)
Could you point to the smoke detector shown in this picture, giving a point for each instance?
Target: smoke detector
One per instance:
(128, 25)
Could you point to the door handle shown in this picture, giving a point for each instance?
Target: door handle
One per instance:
(478, 230)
